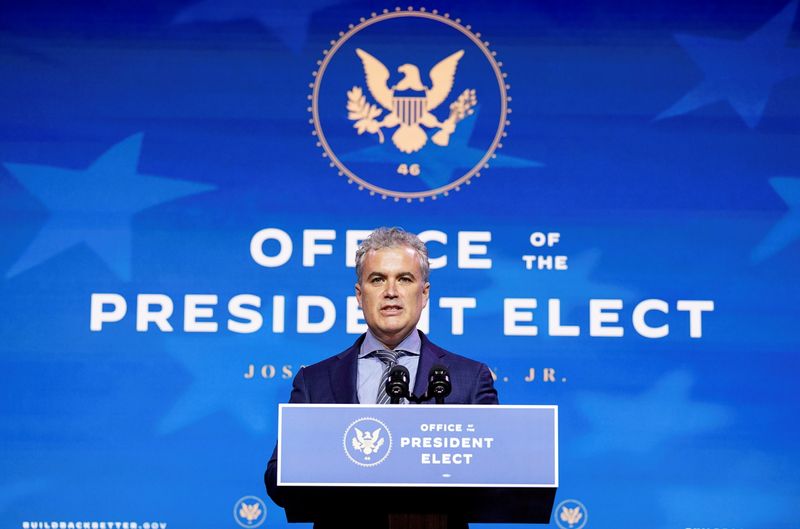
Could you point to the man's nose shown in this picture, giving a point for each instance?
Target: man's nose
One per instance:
(391, 289)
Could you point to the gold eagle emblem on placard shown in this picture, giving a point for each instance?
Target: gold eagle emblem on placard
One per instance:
(409, 103)
(250, 511)
(367, 442)
(571, 514)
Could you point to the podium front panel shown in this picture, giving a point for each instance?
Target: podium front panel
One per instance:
(324, 445)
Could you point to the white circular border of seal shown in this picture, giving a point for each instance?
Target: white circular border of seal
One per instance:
(455, 23)
(236, 514)
(359, 463)
(566, 526)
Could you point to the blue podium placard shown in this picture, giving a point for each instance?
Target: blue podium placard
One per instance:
(422, 446)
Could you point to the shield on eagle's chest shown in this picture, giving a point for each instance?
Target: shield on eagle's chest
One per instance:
(409, 109)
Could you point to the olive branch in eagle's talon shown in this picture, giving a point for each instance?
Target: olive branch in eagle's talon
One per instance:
(363, 113)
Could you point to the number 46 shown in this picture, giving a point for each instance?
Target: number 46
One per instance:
(405, 169)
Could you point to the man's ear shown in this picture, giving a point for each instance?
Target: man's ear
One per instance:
(358, 295)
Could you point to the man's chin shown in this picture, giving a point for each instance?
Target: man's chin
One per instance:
(392, 324)
(389, 335)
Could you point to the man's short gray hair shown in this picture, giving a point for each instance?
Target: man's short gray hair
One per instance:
(393, 238)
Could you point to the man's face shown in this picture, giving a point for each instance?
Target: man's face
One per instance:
(391, 293)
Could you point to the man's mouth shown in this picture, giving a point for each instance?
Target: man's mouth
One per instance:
(391, 309)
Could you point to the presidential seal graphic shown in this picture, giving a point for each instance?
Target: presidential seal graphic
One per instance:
(409, 104)
(367, 442)
(571, 514)
(250, 511)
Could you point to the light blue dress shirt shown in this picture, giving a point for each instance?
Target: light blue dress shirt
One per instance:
(370, 368)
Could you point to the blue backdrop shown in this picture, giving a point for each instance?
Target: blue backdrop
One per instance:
(646, 154)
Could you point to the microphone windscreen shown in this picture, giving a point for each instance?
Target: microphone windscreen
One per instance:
(399, 374)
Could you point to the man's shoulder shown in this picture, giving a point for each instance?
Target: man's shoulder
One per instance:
(472, 381)
(327, 363)
(428, 347)
(448, 356)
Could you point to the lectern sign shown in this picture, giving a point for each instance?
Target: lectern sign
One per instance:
(391, 445)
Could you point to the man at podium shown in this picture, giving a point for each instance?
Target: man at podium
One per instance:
(392, 287)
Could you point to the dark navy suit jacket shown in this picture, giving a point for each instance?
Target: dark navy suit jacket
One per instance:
(333, 381)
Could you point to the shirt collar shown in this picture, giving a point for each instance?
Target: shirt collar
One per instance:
(411, 344)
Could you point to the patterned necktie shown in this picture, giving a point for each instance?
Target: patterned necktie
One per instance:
(389, 359)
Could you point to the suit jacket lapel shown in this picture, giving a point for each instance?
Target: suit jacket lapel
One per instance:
(343, 375)
(428, 357)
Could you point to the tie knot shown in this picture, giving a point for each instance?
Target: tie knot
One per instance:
(388, 357)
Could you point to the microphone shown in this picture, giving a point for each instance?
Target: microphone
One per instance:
(397, 384)
(439, 383)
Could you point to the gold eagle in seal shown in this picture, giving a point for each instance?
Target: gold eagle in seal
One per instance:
(409, 102)
(367, 442)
